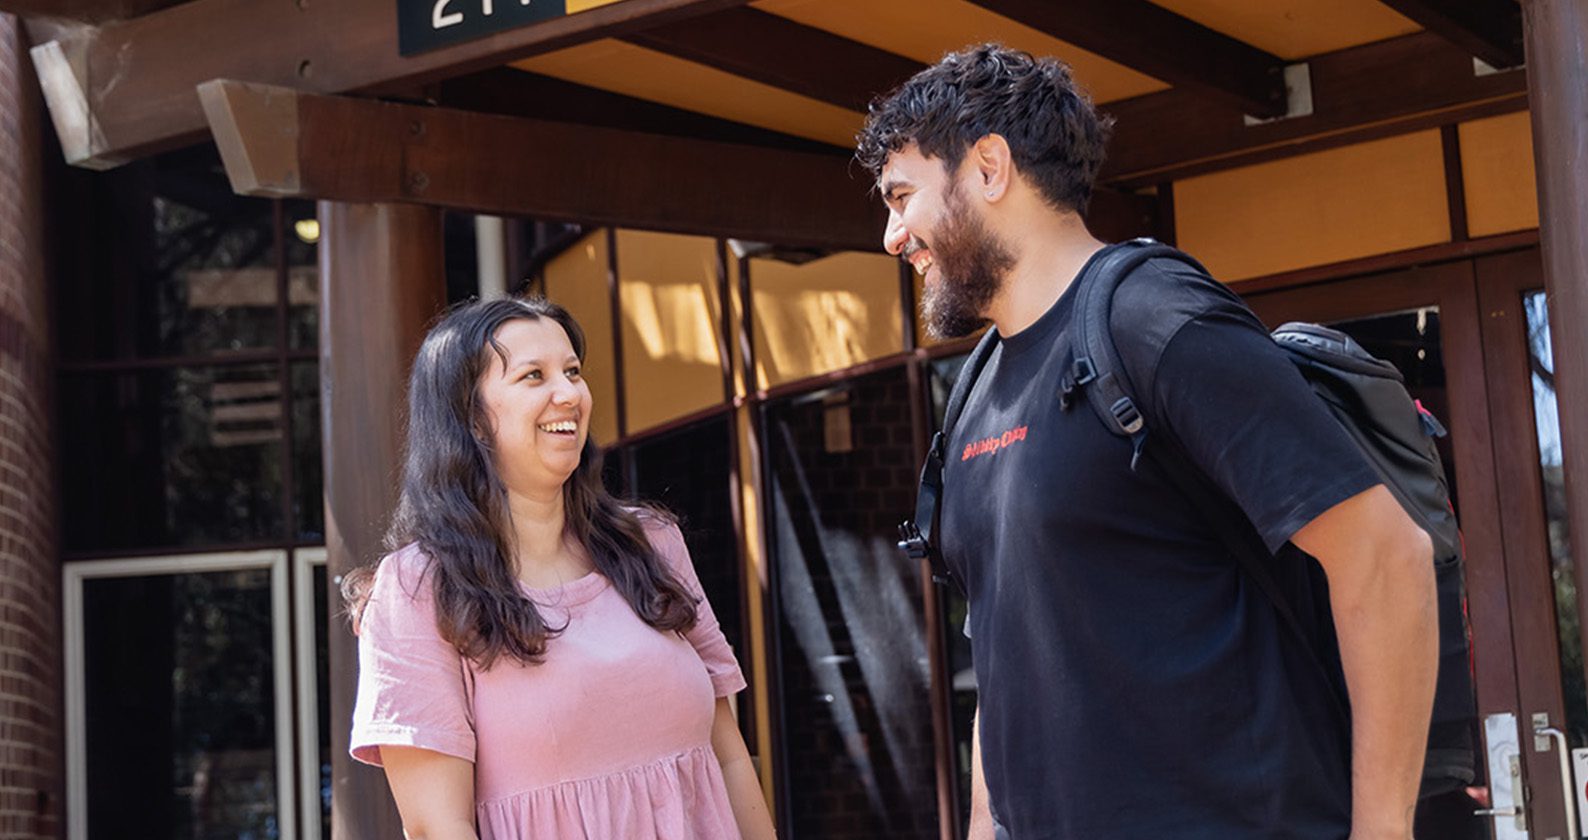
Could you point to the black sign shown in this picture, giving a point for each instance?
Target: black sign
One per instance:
(424, 25)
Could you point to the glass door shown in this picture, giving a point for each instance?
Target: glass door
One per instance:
(1546, 613)
(1426, 322)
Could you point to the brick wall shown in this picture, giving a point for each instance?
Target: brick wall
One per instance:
(857, 722)
(31, 787)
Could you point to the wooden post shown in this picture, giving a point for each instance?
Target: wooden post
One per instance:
(380, 285)
(1556, 37)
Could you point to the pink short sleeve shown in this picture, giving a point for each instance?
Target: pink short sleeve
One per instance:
(411, 682)
(706, 635)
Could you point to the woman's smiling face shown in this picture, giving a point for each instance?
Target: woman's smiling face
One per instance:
(536, 403)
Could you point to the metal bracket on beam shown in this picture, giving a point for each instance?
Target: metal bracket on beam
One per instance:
(1298, 95)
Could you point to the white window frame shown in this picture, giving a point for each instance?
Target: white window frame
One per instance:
(78, 571)
(304, 561)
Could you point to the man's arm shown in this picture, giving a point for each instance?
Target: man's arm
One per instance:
(1381, 586)
(981, 823)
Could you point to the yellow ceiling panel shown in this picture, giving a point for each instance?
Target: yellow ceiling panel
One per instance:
(926, 29)
(646, 74)
(1296, 28)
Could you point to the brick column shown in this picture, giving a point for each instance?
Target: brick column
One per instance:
(31, 788)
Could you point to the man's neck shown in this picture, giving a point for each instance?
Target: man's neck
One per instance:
(1051, 249)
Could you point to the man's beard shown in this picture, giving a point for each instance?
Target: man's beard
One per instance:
(971, 264)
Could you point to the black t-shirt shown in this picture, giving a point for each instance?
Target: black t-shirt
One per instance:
(1134, 683)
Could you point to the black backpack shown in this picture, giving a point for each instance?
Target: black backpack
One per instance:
(1366, 395)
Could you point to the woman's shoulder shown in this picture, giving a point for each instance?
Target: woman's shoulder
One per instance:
(404, 575)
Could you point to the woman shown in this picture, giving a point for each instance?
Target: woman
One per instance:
(537, 660)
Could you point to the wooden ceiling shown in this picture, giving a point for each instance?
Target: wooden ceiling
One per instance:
(1181, 77)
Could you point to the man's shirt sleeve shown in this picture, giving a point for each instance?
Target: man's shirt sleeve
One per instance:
(1243, 413)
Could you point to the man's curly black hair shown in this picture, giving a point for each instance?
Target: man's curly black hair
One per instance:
(1055, 136)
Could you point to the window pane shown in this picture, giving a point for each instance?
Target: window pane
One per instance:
(308, 476)
(185, 456)
(687, 472)
(300, 242)
(1546, 418)
(170, 262)
(180, 706)
(858, 755)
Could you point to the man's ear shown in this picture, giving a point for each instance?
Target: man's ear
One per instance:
(993, 166)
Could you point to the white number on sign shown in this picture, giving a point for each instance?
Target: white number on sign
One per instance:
(440, 19)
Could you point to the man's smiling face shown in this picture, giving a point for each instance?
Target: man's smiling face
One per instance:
(935, 225)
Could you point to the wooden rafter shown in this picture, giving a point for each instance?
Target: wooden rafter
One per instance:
(117, 92)
(782, 53)
(1488, 29)
(285, 143)
(1161, 44)
(84, 11)
(1376, 90)
(508, 90)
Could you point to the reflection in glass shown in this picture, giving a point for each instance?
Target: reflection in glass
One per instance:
(1546, 418)
(308, 469)
(180, 456)
(300, 246)
(686, 472)
(180, 707)
(856, 712)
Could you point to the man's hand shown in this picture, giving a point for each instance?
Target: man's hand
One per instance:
(1381, 586)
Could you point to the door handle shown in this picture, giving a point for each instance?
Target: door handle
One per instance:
(1542, 729)
(1508, 811)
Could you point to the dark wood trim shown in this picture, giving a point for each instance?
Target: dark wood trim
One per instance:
(1451, 288)
(907, 306)
(752, 375)
(837, 377)
(1167, 232)
(512, 92)
(84, 11)
(1488, 29)
(136, 79)
(1377, 90)
(1415, 257)
(264, 356)
(380, 286)
(1115, 215)
(676, 424)
(280, 142)
(1556, 33)
(724, 320)
(1455, 182)
(615, 311)
(782, 53)
(1502, 281)
(1161, 44)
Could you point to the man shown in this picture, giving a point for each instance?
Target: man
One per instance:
(1134, 683)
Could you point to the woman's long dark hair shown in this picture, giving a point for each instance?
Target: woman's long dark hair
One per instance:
(454, 504)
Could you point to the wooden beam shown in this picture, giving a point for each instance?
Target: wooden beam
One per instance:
(84, 11)
(1487, 29)
(281, 142)
(514, 92)
(784, 54)
(135, 81)
(1390, 87)
(1557, 59)
(1162, 44)
(380, 285)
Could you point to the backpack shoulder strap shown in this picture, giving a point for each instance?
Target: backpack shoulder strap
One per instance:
(1097, 367)
(1099, 371)
(917, 536)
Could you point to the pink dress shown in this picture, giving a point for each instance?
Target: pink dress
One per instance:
(609, 738)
